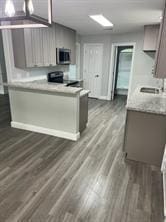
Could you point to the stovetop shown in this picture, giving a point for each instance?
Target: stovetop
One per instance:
(70, 82)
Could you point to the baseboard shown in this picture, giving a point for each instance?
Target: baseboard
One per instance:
(51, 132)
(104, 98)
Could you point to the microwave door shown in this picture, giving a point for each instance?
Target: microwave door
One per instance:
(61, 56)
(67, 59)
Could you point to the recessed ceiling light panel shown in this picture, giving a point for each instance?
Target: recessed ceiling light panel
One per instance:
(101, 20)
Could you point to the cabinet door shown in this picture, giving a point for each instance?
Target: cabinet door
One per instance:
(72, 46)
(49, 46)
(160, 64)
(66, 38)
(52, 46)
(37, 44)
(29, 55)
(59, 35)
(151, 35)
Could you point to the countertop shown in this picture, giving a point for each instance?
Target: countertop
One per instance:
(43, 85)
(147, 102)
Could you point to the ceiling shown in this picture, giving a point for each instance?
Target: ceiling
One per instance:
(126, 15)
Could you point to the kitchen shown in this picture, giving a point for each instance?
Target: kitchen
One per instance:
(69, 152)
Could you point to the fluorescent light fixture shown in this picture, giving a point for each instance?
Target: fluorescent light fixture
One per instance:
(101, 20)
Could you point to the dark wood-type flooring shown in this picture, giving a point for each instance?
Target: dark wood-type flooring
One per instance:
(48, 179)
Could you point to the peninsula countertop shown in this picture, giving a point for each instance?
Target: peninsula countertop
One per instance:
(43, 85)
(147, 102)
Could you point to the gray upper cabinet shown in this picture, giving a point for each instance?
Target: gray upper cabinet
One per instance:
(59, 36)
(28, 48)
(160, 64)
(24, 54)
(66, 38)
(151, 38)
(49, 46)
(37, 47)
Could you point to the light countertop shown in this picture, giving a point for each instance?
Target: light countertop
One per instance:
(43, 85)
(147, 102)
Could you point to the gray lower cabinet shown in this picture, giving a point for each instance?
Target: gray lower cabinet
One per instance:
(37, 47)
(145, 137)
(83, 119)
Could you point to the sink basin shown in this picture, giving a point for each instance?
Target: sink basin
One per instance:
(150, 90)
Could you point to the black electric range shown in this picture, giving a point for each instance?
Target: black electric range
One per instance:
(57, 77)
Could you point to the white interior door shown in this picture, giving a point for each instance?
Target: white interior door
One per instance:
(92, 73)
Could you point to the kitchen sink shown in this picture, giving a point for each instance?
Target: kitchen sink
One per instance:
(150, 90)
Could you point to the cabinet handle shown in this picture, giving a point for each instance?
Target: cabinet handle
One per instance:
(153, 70)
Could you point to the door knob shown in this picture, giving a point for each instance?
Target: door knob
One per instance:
(96, 76)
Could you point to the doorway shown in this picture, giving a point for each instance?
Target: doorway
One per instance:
(121, 69)
(92, 69)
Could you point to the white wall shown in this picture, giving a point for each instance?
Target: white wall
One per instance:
(15, 74)
(143, 62)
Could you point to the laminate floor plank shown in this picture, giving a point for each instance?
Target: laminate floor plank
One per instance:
(49, 179)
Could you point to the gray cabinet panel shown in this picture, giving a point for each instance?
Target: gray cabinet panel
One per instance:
(29, 56)
(59, 36)
(145, 137)
(83, 119)
(160, 64)
(49, 46)
(151, 37)
(18, 48)
(160, 67)
(37, 47)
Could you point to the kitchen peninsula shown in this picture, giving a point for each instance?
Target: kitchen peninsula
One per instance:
(48, 108)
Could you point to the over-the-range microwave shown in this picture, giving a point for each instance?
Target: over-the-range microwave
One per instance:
(63, 56)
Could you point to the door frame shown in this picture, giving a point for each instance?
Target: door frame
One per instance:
(78, 60)
(112, 67)
(101, 75)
